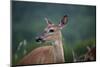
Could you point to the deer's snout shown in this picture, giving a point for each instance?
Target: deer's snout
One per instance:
(39, 39)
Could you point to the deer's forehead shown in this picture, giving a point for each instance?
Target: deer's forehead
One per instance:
(52, 27)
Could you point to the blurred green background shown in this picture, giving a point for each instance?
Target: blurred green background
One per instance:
(28, 22)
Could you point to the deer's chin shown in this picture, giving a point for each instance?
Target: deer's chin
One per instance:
(42, 41)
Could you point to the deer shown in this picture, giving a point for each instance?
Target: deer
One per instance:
(90, 55)
(53, 53)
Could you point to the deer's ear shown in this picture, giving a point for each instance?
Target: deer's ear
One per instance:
(63, 21)
(88, 48)
(47, 21)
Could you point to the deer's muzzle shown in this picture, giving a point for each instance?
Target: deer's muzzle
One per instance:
(39, 39)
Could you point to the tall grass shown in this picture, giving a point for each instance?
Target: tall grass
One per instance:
(79, 48)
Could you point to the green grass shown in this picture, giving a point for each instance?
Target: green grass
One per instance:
(79, 48)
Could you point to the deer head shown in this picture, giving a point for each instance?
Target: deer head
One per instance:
(52, 31)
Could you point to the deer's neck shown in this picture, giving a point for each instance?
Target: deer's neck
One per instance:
(58, 49)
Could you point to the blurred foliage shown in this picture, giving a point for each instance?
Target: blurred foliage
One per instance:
(81, 47)
(28, 22)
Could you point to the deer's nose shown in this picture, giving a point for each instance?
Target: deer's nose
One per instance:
(39, 39)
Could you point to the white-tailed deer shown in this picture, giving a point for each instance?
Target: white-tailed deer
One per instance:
(90, 55)
(48, 54)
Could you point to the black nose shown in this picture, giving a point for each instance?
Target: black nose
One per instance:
(38, 39)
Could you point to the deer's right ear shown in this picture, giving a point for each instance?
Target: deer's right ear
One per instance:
(63, 21)
(47, 21)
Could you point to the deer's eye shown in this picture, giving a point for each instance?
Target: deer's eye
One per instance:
(51, 30)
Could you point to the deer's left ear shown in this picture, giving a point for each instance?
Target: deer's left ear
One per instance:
(48, 22)
(63, 21)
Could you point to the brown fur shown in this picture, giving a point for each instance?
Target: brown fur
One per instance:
(39, 56)
(90, 55)
(48, 54)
